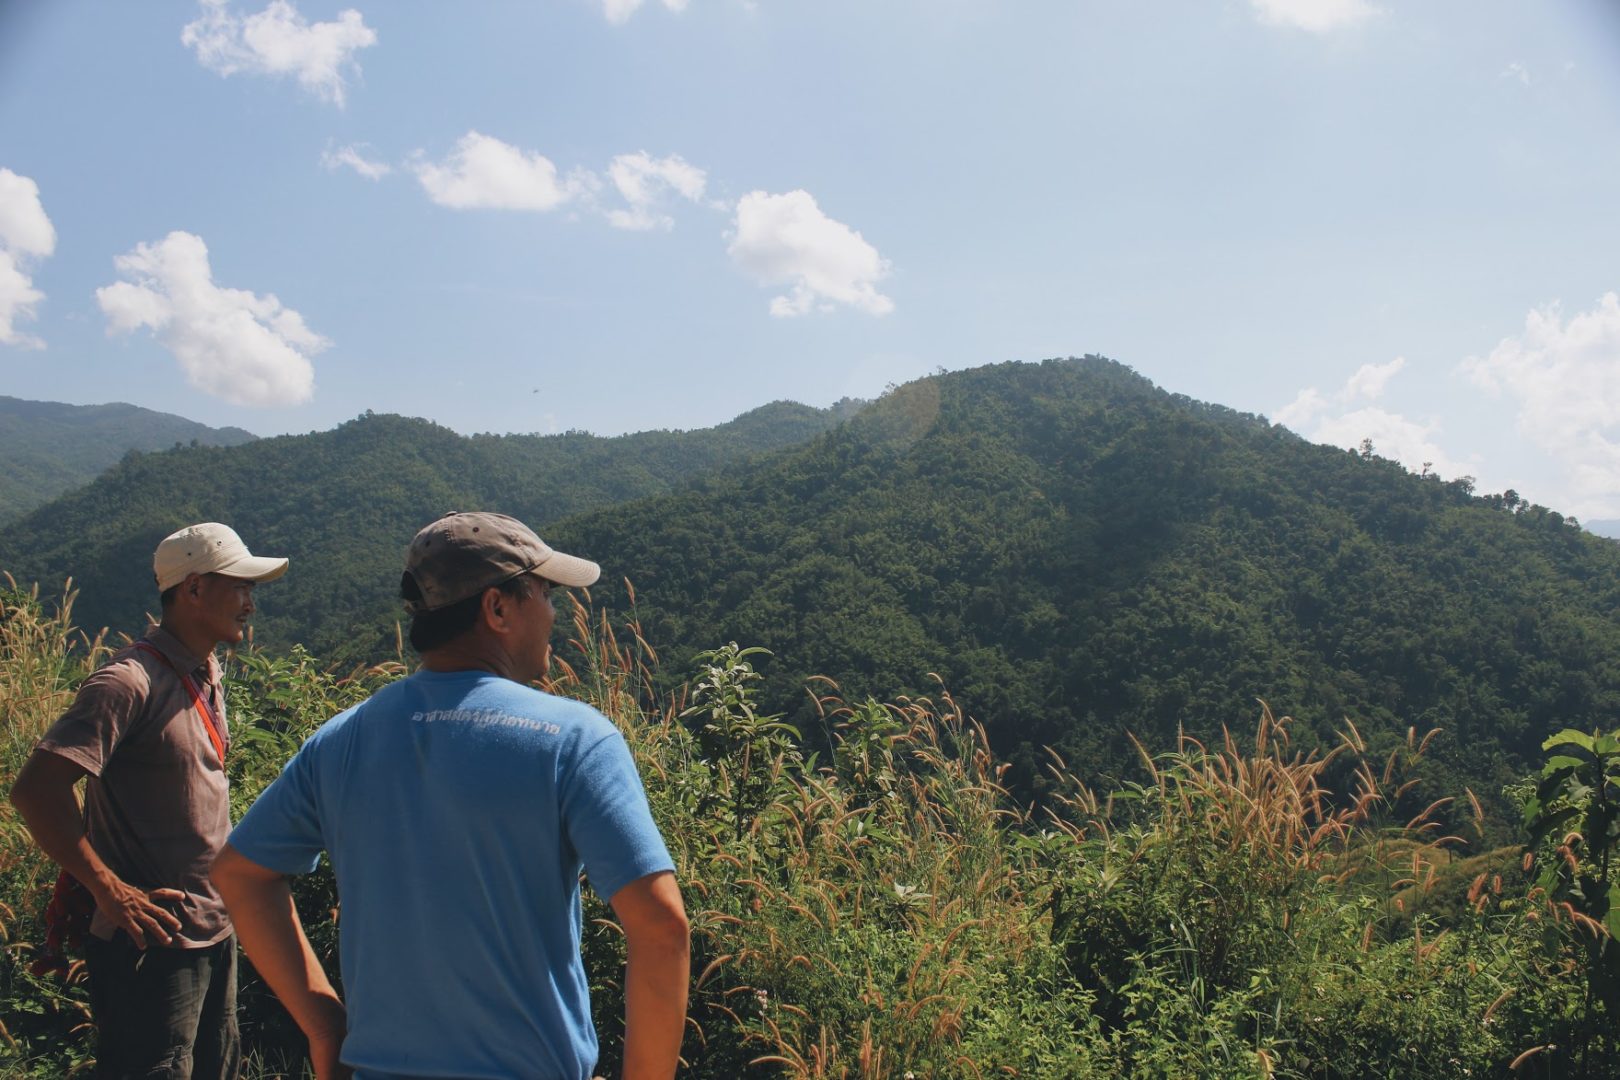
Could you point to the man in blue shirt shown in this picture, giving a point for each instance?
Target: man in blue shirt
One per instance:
(459, 807)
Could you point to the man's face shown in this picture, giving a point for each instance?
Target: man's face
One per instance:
(538, 617)
(224, 604)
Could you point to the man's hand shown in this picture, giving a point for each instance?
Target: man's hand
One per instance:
(48, 805)
(323, 1055)
(137, 912)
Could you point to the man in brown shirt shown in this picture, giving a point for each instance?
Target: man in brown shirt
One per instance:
(149, 730)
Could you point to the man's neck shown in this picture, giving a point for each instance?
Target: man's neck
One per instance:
(470, 653)
(198, 643)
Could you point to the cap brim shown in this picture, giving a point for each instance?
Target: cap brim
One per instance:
(255, 568)
(568, 570)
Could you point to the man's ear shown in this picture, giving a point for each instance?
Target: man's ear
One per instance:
(495, 607)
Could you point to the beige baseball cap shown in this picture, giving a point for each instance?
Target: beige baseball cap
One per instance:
(210, 548)
(461, 555)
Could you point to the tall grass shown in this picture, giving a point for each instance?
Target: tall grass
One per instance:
(888, 910)
(42, 661)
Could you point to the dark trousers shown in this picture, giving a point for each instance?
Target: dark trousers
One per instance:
(164, 1014)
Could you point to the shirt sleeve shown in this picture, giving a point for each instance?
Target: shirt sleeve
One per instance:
(108, 704)
(281, 831)
(608, 820)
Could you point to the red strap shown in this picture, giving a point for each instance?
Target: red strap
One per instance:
(204, 710)
(67, 924)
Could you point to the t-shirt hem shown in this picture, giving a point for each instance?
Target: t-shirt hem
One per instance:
(74, 754)
(611, 889)
(182, 944)
(246, 849)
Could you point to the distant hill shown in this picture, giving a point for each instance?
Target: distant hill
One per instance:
(1076, 552)
(47, 447)
(1079, 554)
(341, 504)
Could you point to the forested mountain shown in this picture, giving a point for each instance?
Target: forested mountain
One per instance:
(1075, 552)
(48, 447)
(1079, 554)
(342, 504)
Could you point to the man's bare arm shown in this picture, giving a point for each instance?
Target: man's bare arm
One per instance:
(657, 971)
(261, 906)
(44, 797)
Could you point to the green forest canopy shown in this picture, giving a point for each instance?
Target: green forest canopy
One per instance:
(49, 447)
(1075, 552)
(341, 504)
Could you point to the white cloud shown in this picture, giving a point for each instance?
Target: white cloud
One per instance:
(618, 12)
(351, 158)
(1315, 16)
(786, 238)
(280, 41)
(485, 173)
(1367, 384)
(232, 343)
(1302, 410)
(1516, 70)
(1393, 436)
(24, 227)
(1565, 377)
(1370, 379)
(18, 301)
(26, 235)
(1333, 420)
(642, 181)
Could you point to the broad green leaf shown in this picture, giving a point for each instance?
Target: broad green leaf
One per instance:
(1552, 783)
(1552, 824)
(1569, 737)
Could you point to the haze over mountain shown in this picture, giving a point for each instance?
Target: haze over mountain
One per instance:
(49, 447)
(1077, 553)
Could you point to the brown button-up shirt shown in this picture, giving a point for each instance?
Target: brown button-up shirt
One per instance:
(157, 805)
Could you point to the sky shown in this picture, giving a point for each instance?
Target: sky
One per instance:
(1395, 220)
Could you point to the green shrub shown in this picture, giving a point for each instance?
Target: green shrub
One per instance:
(889, 911)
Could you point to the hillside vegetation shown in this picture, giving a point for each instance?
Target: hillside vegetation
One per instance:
(1077, 553)
(342, 504)
(50, 448)
(884, 910)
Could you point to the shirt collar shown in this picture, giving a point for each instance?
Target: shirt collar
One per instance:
(183, 659)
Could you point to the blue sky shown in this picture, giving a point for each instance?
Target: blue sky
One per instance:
(1364, 218)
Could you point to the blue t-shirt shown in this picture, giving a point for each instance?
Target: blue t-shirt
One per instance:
(458, 809)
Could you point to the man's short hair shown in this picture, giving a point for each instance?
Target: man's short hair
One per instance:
(440, 626)
(167, 597)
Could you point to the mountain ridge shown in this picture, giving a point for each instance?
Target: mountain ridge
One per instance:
(51, 447)
(1081, 556)
(342, 503)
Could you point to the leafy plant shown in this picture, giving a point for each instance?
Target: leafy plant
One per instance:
(746, 749)
(1263, 907)
(1574, 825)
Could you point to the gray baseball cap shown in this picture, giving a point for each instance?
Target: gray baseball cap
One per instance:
(462, 554)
